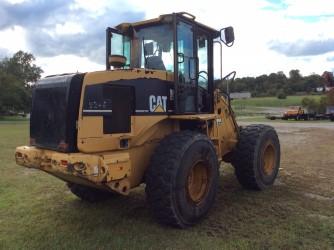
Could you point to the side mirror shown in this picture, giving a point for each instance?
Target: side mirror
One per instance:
(227, 36)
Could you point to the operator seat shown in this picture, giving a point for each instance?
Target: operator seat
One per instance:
(155, 62)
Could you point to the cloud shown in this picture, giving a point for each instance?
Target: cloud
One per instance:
(330, 59)
(4, 53)
(33, 13)
(68, 35)
(44, 21)
(303, 48)
(311, 19)
(275, 5)
(309, 8)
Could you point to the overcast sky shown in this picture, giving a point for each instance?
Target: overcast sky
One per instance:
(271, 35)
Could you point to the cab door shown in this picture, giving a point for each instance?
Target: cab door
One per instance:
(186, 69)
(194, 77)
(204, 75)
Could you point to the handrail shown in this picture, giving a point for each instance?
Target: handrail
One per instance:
(221, 59)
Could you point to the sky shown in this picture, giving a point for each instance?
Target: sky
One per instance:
(270, 35)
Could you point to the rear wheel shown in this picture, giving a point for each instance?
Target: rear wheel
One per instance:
(182, 179)
(89, 194)
(257, 157)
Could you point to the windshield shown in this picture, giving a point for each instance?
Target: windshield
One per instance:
(155, 47)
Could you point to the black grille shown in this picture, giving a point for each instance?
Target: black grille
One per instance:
(55, 110)
(49, 110)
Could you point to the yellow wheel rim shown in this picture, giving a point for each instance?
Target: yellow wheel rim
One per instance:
(198, 182)
(269, 159)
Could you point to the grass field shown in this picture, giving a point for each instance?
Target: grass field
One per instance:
(264, 105)
(272, 101)
(13, 119)
(38, 212)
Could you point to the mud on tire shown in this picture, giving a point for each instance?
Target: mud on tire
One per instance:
(182, 179)
(257, 157)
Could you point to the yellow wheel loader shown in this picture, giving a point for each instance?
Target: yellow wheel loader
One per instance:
(155, 116)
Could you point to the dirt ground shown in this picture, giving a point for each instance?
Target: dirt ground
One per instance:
(307, 157)
(302, 196)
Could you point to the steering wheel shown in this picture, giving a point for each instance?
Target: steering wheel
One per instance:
(204, 77)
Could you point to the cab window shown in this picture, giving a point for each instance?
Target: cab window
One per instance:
(156, 47)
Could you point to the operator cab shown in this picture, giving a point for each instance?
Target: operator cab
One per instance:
(174, 43)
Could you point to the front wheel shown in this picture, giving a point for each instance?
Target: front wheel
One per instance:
(182, 179)
(257, 157)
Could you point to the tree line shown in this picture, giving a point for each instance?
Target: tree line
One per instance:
(17, 76)
(277, 84)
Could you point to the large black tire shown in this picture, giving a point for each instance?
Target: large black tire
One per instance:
(89, 194)
(257, 157)
(182, 179)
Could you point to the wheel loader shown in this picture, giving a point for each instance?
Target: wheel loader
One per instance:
(156, 116)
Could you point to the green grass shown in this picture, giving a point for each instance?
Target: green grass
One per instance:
(272, 101)
(262, 105)
(38, 212)
(13, 118)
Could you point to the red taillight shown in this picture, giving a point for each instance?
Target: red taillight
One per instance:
(63, 162)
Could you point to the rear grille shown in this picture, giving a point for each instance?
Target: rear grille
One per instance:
(55, 110)
(49, 116)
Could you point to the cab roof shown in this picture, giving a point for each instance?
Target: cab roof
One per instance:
(167, 18)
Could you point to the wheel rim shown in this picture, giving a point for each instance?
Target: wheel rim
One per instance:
(269, 159)
(198, 182)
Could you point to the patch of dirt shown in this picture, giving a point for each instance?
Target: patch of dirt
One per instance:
(318, 197)
(307, 160)
(306, 178)
(307, 156)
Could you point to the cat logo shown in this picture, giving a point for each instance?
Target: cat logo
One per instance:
(158, 103)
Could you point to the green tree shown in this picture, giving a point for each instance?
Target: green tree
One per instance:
(295, 75)
(281, 94)
(323, 102)
(17, 76)
(310, 104)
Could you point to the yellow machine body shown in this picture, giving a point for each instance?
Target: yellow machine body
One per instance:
(101, 162)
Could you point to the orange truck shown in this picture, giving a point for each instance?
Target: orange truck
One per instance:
(296, 113)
